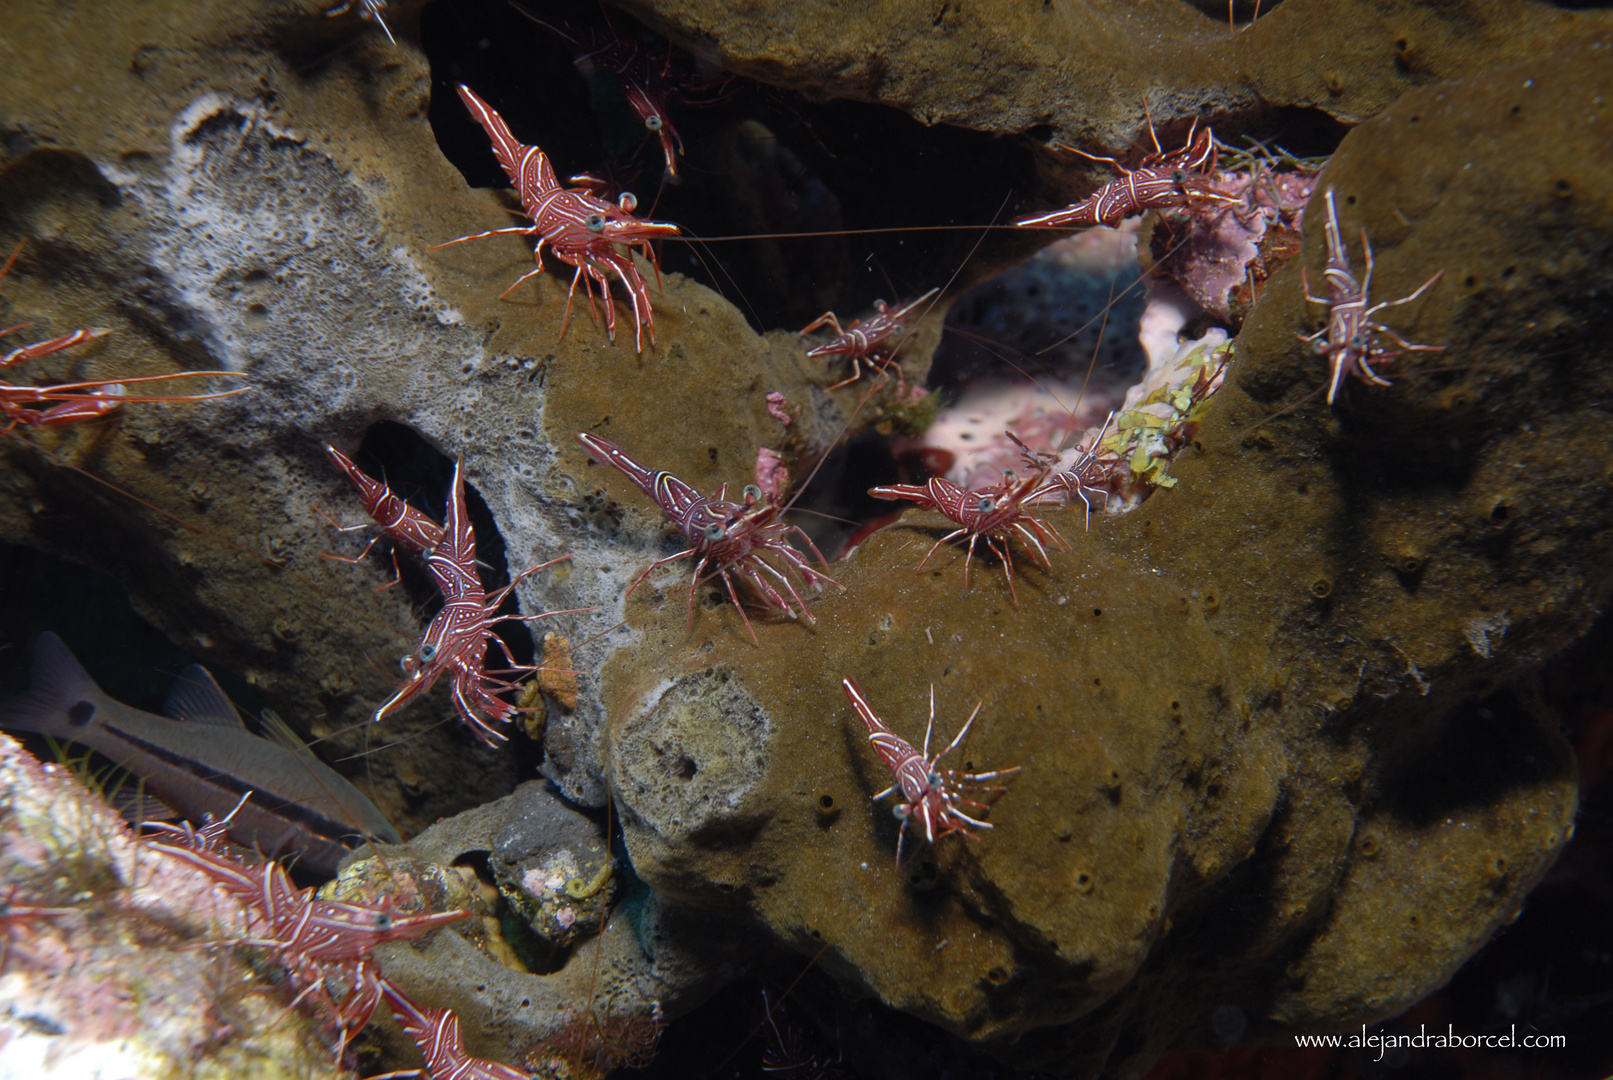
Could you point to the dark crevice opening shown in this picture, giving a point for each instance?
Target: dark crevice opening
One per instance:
(129, 659)
(423, 475)
(759, 160)
(836, 511)
(1481, 751)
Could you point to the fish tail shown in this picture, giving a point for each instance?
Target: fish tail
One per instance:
(61, 697)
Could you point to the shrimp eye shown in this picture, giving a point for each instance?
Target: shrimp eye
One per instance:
(628, 202)
(985, 506)
(935, 779)
(595, 223)
(408, 663)
(715, 531)
(652, 122)
(752, 493)
(1322, 348)
(899, 811)
(428, 652)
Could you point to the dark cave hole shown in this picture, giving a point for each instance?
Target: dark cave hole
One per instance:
(836, 511)
(1302, 132)
(1242, 11)
(131, 660)
(539, 957)
(1482, 750)
(1063, 321)
(1067, 309)
(759, 160)
(422, 475)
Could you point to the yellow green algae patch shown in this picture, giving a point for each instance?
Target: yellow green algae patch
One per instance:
(1251, 770)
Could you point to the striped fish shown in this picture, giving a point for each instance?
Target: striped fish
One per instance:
(199, 758)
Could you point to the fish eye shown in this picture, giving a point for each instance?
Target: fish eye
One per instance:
(986, 505)
(428, 651)
(595, 223)
(653, 122)
(383, 921)
(628, 202)
(715, 531)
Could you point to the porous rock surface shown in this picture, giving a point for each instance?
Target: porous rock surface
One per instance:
(1225, 703)
(1251, 773)
(255, 189)
(118, 978)
(639, 965)
(1083, 72)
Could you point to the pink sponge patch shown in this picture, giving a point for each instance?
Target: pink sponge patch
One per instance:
(771, 474)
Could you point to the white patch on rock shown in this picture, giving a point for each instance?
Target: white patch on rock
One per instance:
(689, 756)
(269, 253)
(1479, 631)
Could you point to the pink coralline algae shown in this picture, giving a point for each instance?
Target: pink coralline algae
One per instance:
(772, 475)
(1222, 258)
(776, 408)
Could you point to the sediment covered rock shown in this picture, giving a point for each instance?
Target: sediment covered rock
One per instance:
(1084, 74)
(1222, 702)
(116, 960)
(1227, 705)
(601, 989)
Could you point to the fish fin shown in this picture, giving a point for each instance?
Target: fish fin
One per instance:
(277, 730)
(135, 805)
(58, 685)
(196, 698)
(354, 802)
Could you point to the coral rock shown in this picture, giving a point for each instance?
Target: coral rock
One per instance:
(1252, 776)
(121, 982)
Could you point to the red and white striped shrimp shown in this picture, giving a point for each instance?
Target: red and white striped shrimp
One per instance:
(580, 228)
(400, 521)
(865, 339)
(56, 404)
(1160, 182)
(730, 535)
(436, 1033)
(928, 794)
(455, 643)
(1084, 478)
(646, 82)
(368, 10)
(312, 939)
(1351, 343)
(994, 513)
